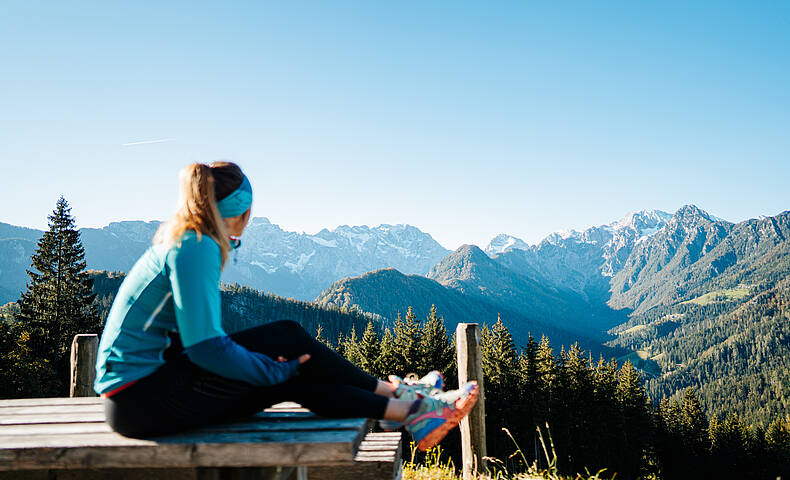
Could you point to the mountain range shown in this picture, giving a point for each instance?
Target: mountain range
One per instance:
(690, 298)
(289, 264)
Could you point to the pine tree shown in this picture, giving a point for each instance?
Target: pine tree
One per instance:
(777, 444)
(319, 335)
(351, 347)
(59, 302)
(501, 373)
(369, 349)
(387, 363)
(341, 345)
(407, 343)
(694, 424)
(546, 369)
(436, 352)
(635, 420)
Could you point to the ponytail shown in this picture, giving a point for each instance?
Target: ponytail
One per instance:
(197, 210)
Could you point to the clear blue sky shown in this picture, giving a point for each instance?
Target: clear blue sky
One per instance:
(466, 119)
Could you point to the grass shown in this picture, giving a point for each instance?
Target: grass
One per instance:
(732, 294)
(435, 468)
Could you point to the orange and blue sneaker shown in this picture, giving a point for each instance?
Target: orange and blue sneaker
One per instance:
(413, 388)
(434, 416)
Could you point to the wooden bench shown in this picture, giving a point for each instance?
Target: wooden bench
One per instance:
(64, 438)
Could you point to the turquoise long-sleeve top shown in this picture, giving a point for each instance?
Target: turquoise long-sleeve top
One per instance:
(176, 289)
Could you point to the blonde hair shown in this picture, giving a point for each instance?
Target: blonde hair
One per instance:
(197, 209)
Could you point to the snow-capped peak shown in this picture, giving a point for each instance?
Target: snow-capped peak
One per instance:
(503, 242)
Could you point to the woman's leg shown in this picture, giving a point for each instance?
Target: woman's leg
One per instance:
(181, 395)
(288, 339)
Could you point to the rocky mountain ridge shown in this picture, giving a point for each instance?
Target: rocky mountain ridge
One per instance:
(289, 264)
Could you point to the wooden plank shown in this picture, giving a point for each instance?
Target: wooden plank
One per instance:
(50, 401)
(314, 424)
(47, 409)
(59, 418)
(16, 402)
(55, 428)
(110, 450)
(111, 438)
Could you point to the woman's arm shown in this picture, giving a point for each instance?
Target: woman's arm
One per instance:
(194, 270)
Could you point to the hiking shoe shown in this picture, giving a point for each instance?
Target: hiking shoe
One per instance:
(436, 416)
(412, 388)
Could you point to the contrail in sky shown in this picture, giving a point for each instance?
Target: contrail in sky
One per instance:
(144, 142)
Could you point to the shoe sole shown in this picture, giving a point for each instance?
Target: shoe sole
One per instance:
(458, 414)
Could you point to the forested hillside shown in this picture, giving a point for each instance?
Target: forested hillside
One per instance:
(244, 307)
(388, 293)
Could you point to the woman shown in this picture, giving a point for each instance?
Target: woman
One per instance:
(165, 364)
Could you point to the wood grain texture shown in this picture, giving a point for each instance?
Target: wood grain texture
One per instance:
(84, 349)
(473, 427)
(71, 434)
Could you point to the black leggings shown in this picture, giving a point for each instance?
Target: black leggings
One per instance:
(180, 395)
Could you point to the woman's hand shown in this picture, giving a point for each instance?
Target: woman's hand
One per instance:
(302, 358)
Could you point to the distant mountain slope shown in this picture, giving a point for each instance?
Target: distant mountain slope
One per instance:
(695, 253)
(15, 256)
(581, 261)
(301, 265)
(389, 293)
(244, 307)
(285, 263)
(470, 271)
(733, 347)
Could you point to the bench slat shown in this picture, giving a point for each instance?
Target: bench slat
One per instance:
(25, 402)
(312, 424)
(98, 416)
(110, 450)
(47, 409)
(59, 418)
(70, 433)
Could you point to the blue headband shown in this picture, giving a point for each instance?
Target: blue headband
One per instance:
(237, 202)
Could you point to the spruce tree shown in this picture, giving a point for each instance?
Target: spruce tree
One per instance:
(319, 335)
(546, 369)
(694, 424)
(407, 343)
(368, 350)
(436, 352)
(387, 363)
(501, 373)
(351, 347)
(59, 301)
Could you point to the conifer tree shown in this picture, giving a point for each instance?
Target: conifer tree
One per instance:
(59, 302)
(501, 373)
(777, 443)
(729, 445)
(546, 369)
(351, 347)
(388, 361)
(436, 352)
(407, 343)
(319, 335)
(635, 420)
(694, 424)
(341, 345)
(369, 349)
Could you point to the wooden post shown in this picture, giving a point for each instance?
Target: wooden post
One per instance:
(84, 348)
(473, 427)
